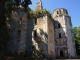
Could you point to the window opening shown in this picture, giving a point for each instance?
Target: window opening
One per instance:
(18, 33)
(61, 53)
(59, 25)
(57, 12)
(21, 53)
(35, 21)
(32, 47)
(59, 35)
(20, 21)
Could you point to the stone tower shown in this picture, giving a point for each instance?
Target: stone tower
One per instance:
(43, 35)
(64, 39)
(39, 5)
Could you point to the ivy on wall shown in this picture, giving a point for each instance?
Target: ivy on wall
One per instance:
(39, 13)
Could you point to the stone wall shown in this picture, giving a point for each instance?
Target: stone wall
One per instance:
(63, 26)
(51, 42)
(21, 33)
(42, 36)
(60, 42)
(70, 37)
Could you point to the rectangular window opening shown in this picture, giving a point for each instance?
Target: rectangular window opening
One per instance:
(57, 12)
(20, 21)
(35, 21)
(19, 33)
(32, 47)
(35, 34)
(59, 25)
(59, 35)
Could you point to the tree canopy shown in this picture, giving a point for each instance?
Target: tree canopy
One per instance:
(76, 31)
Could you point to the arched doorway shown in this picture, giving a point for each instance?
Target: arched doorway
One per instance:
(61, 53)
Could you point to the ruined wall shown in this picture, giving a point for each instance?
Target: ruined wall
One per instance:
(51, 42)
(42, 35)
(59, 11)
(44, 41)
(70, 37)
(21, 32)
(60, 42)
(63, 26)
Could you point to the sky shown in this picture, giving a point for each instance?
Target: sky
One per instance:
(72, 6)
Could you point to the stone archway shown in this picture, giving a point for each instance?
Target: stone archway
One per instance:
(61, 52)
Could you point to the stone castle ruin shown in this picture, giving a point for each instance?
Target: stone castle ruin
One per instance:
(42, 37)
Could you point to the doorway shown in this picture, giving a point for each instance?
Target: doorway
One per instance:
(61, 54)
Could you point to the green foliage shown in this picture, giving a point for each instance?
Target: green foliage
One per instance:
(11, 4)
(39, 13)
(25, 3)
(76, 31)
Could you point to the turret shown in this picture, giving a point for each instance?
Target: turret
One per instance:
(59, 11)
(39, 5)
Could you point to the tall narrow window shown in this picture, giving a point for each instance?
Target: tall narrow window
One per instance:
(19, 33)
(32, 47)
(57, 12)
(20, 21)
(59, 35)
(59, 25)
(35, 21)
(35, 34)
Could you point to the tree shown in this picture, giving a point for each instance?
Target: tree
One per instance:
(76, 31)
(6, 7)
(25, 3)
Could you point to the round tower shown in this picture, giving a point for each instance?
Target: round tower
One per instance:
(64, 40)
(59, 11)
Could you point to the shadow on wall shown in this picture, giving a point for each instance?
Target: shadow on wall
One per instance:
(12, 25)
(41, 43)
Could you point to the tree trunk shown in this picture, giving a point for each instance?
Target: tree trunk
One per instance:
(2, 26)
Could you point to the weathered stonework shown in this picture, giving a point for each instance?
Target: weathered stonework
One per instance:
(21, 37)
(62, 23)
(42, 37)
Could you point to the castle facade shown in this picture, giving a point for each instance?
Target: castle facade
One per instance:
(42, 37)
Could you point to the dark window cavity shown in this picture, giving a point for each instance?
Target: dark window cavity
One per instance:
(59, 35)
(19, 33)
(59, 25)
(20, 21)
